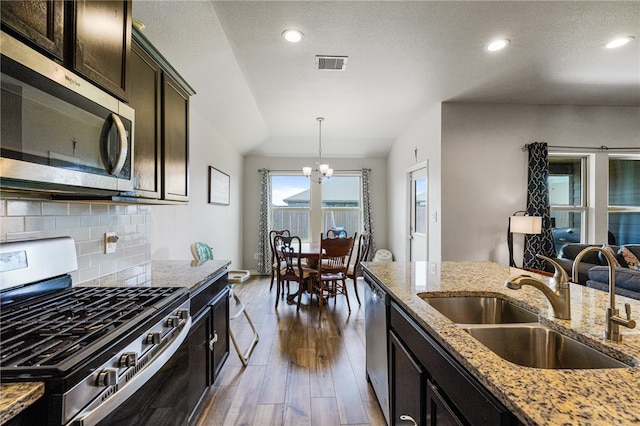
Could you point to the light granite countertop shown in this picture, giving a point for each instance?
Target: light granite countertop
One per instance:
(15, 397)
(535, 396)
(163, 273)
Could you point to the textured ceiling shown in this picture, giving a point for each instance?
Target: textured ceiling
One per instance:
(263, 94)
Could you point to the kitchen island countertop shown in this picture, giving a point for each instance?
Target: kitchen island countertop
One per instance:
(535, 396)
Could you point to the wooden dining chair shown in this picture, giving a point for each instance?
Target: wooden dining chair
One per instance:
(274, 265)
(335, 255)
(355, 269)
(288, 256)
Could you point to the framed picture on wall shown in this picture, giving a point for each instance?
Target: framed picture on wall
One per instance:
(218, 187)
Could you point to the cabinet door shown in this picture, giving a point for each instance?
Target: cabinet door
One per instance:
(407, 381)
(40, 23)
(439, 413)
(198, 358)
(103, 43)
(145, 77)
(175, 141)
(220, 327)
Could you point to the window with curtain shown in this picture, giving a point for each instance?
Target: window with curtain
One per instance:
(290, 205)
(567, 199)
(624, 199)
(342, 204)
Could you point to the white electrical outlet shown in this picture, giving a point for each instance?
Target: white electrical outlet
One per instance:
(110, 242)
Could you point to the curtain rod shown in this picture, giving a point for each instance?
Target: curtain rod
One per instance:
(599, 148)
(299, 171)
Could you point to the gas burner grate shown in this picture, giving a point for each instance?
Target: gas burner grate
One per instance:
(48, 330)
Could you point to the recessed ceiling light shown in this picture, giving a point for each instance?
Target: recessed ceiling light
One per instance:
(621, 41)
(292, 36)
(497, 45)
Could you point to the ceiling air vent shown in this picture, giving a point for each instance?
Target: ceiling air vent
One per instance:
(331, 63)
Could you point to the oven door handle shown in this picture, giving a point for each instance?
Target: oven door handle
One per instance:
(95, 415)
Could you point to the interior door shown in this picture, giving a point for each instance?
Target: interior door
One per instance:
(418, 226)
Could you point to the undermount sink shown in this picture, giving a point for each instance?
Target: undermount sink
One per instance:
(480, 310)
(500, 326)
(536, 346)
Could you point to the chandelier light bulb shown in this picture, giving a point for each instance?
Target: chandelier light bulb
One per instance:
(323, 169)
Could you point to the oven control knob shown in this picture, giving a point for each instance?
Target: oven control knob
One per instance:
(153, 338)
(183, 314)
(172, 321)
(128, 359)
(107, 377)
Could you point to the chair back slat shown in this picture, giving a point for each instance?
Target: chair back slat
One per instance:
(335, 255)
(272, 235)
(288, 251)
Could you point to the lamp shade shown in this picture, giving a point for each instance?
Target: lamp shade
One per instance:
(526, 224)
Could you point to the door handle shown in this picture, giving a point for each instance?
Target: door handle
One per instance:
(123, 146)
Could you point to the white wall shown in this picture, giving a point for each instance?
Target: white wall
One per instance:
(484, 169)
(251, 194)
(424, 135)
(174, 228)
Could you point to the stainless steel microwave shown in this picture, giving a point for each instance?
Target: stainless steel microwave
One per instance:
(59, 132)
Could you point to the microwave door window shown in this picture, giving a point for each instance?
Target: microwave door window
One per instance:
(47, 130)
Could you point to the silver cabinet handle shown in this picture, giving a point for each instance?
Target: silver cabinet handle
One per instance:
(123, 146)
(213, 341)
(406, 418)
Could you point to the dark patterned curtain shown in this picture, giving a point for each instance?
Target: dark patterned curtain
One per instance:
(366, 211)
(264, 250)
(538, 205)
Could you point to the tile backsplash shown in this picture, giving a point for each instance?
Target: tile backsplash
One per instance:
(86, 223)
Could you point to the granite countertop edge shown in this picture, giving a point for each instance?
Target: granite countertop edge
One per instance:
(15, 397)
(535, 396)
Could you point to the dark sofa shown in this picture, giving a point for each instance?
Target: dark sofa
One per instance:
(593, 270)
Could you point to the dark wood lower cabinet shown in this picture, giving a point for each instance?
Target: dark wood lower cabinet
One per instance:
(439, 412)
(208, 339)
(408, 381)
(420, 368)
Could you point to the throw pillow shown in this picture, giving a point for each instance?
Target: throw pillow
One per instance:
(611, 251)
(630, 258)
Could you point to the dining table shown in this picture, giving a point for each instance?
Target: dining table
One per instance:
(311, 252)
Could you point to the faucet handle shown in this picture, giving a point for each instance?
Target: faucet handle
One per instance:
(560, 276)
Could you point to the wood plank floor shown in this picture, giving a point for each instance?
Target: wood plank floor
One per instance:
(303, 371)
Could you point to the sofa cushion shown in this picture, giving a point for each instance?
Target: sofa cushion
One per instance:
(630, 257)
(619, 291)
(570, 251)
(625, 277)
(613, 250)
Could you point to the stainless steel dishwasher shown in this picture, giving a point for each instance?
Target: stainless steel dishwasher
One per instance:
(376, 316)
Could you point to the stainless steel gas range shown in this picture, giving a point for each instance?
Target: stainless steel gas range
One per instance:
(94, 348)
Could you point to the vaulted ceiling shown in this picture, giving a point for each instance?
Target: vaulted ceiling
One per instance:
(263, 94)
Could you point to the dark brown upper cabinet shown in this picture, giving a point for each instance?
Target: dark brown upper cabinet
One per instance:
(160, 97)
(103, 43)
(39, 23)
(145, 80)
(89, 37)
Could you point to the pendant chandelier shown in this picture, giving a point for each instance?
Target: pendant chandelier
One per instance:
(322, 170)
